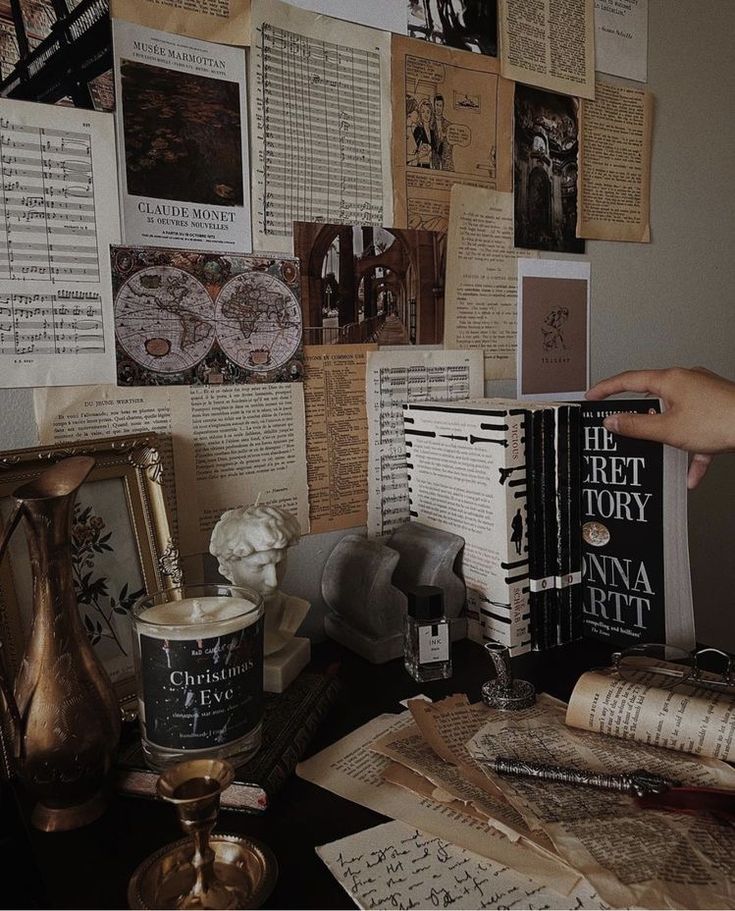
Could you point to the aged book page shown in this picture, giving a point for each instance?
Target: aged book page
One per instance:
(223, 21)
(433, 873)
(631, 856)
(229, 444)
(614, 183)
(394, 377)
(480, 303)
(234, 445)
(321, 123)
(549, 43)
(645, 707)
(336, 435)
(349, 768)
(456, 114)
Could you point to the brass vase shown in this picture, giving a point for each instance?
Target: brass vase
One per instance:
(62, 720)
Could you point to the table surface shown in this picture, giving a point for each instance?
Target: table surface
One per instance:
(91, 867)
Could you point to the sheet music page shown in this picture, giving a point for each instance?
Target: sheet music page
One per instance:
(398, 866)
(320, 109)
(59, 216)
(393, 378)
(456, 113)
(631, 856)
(182, 141)
(350, 769)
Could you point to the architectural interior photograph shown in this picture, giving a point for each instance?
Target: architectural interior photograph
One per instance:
(367, 461)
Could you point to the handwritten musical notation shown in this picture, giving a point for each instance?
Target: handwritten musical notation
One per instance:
(47, 206)
(68, 322)
(322, 129)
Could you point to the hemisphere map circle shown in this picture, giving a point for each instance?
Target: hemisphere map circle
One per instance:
(164, 319)
(258, 321)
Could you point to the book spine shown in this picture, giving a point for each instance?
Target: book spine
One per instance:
(574, 578)
(533, 439)
(247, 798)
(563, 513)
(548, 520)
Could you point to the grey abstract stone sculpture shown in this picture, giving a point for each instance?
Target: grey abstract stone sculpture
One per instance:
(362, 587)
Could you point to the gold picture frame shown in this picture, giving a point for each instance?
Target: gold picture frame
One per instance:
(122, 547)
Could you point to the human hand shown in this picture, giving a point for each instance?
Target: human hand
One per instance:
(699, 416)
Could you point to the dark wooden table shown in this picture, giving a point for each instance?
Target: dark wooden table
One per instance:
(90, 868)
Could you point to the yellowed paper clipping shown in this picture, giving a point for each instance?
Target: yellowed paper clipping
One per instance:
(549, 44)
(481, 298)
(455, 112)
(614, 183)
(223, 21)
(336, 435)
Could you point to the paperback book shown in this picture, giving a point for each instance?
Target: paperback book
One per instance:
(637, 583)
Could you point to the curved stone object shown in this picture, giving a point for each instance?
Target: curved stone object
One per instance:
(366, 610)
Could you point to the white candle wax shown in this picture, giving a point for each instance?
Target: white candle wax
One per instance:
(197, 618)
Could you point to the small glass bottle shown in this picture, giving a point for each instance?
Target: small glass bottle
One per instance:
(426, 642)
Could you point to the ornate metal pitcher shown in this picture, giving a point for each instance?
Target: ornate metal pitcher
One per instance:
(62, 722)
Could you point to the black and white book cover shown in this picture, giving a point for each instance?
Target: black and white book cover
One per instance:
(637, 586)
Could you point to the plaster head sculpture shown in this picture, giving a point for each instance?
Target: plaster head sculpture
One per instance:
(251, 544)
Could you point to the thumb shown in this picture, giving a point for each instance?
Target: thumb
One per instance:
(640, 426)
(697, 469)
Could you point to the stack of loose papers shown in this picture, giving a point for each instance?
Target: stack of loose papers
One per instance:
(466, 838)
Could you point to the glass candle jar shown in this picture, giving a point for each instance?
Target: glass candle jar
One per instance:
(199, 667)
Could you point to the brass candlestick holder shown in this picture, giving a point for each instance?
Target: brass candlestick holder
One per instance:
(202, 870)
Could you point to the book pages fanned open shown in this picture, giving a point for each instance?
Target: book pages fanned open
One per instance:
(632, 856)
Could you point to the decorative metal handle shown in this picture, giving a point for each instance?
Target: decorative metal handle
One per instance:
(639, 783)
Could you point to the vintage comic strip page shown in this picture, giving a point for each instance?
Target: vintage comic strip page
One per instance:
(549, 45)
(482, 278)
(621, 38)
(182, 141)
(614, 182)
(320, 109)
(60, 208)
(455, 111)
(223, 21)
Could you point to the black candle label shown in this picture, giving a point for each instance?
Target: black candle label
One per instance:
(202, 693)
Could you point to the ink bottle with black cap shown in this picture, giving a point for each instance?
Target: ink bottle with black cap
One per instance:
(427, 640)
